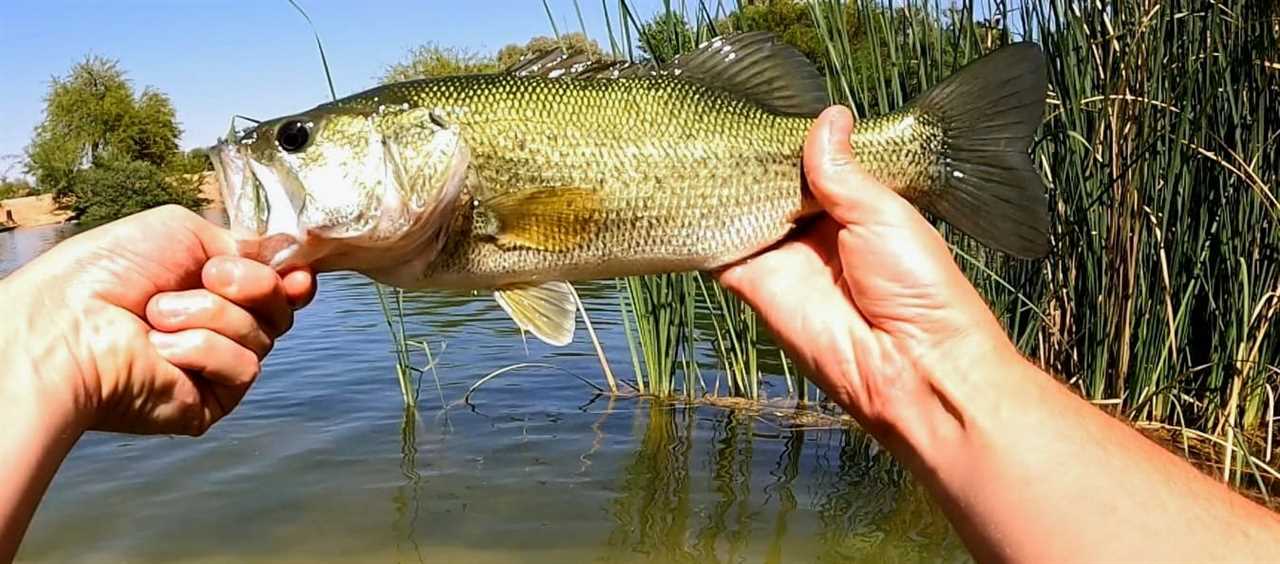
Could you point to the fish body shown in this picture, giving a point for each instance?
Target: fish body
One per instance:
(661, 174)
(563, 170)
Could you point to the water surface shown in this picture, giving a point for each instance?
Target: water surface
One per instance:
(322, 462)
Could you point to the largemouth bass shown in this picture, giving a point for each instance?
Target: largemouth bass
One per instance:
(564, 169)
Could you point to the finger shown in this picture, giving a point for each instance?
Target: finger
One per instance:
(810, 250)
(769, 283)
(214, 357)
(253, 286)
(849, 193)
(194, 403)
(172, 312)
(215, 240)
(299, 288)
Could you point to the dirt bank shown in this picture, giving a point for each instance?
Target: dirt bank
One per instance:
(32, 211)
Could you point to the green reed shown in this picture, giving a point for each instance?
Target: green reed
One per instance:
(1159, 297)
(1160, 294)
(664, 309)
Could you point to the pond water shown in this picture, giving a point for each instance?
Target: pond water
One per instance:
(321, 462)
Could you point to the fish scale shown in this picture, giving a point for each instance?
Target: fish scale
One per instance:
(677, 190)
(563, 169)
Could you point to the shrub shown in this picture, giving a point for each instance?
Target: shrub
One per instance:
(116, 186)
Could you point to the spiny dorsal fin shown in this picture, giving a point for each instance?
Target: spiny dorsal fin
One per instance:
(756, 66)
(556, 63)
(759, 67)
(548, 310)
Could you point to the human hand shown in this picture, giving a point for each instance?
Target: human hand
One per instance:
(150, 324)
(868, 300)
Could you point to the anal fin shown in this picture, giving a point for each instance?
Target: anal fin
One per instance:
(548, 310)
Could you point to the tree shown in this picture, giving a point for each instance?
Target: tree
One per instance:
(94, 119)
(13, 188)
(788, 19)
(665, 36)
(430, 60)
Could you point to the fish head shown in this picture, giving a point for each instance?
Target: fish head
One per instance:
(343, 188)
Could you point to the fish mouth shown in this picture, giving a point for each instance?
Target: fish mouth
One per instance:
(259, 212)
(234, 177)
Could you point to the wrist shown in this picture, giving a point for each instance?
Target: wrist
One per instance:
(968, 383)
(41, 424)
(39, 373)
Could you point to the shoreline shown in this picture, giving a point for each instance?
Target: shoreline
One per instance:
(40, 210)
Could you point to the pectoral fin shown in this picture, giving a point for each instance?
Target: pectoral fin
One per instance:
(547, 310)
(549, 219)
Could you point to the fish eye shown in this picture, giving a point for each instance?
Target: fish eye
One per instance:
(293, 135)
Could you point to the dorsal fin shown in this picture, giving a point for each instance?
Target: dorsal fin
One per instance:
(756, 66)
(556, 63)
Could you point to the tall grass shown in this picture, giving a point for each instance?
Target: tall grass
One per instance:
(664, 309)
(1161, 152)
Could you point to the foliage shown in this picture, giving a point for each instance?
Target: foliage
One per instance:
(1159, 148)
(14, 188)
(94, 118)
(192, 162)
(1164, 286)
(115, 187)
(666, 35)
(572, 43)
(790, 20)
(431, 60)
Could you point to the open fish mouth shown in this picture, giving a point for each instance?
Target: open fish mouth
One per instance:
(259, 211)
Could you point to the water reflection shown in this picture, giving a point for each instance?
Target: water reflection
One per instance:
(784, 475)
(688, 495)
(652, 514)
(407, 500)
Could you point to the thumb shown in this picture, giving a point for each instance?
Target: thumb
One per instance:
(847, 192)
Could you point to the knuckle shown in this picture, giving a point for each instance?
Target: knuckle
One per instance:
(252, 370)
(173, 211)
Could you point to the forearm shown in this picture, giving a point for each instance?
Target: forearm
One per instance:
(33, 443)
(1029, 472)
(39, 422)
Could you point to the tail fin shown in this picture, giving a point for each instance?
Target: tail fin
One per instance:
(989, 110)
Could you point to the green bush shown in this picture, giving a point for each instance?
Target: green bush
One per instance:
(431, 60)
(666, 35)
(571, 42)
(115, 187)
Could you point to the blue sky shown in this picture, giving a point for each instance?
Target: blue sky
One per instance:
(253, 57)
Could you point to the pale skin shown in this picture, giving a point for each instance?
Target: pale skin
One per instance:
(147, 325)
(868, 300)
